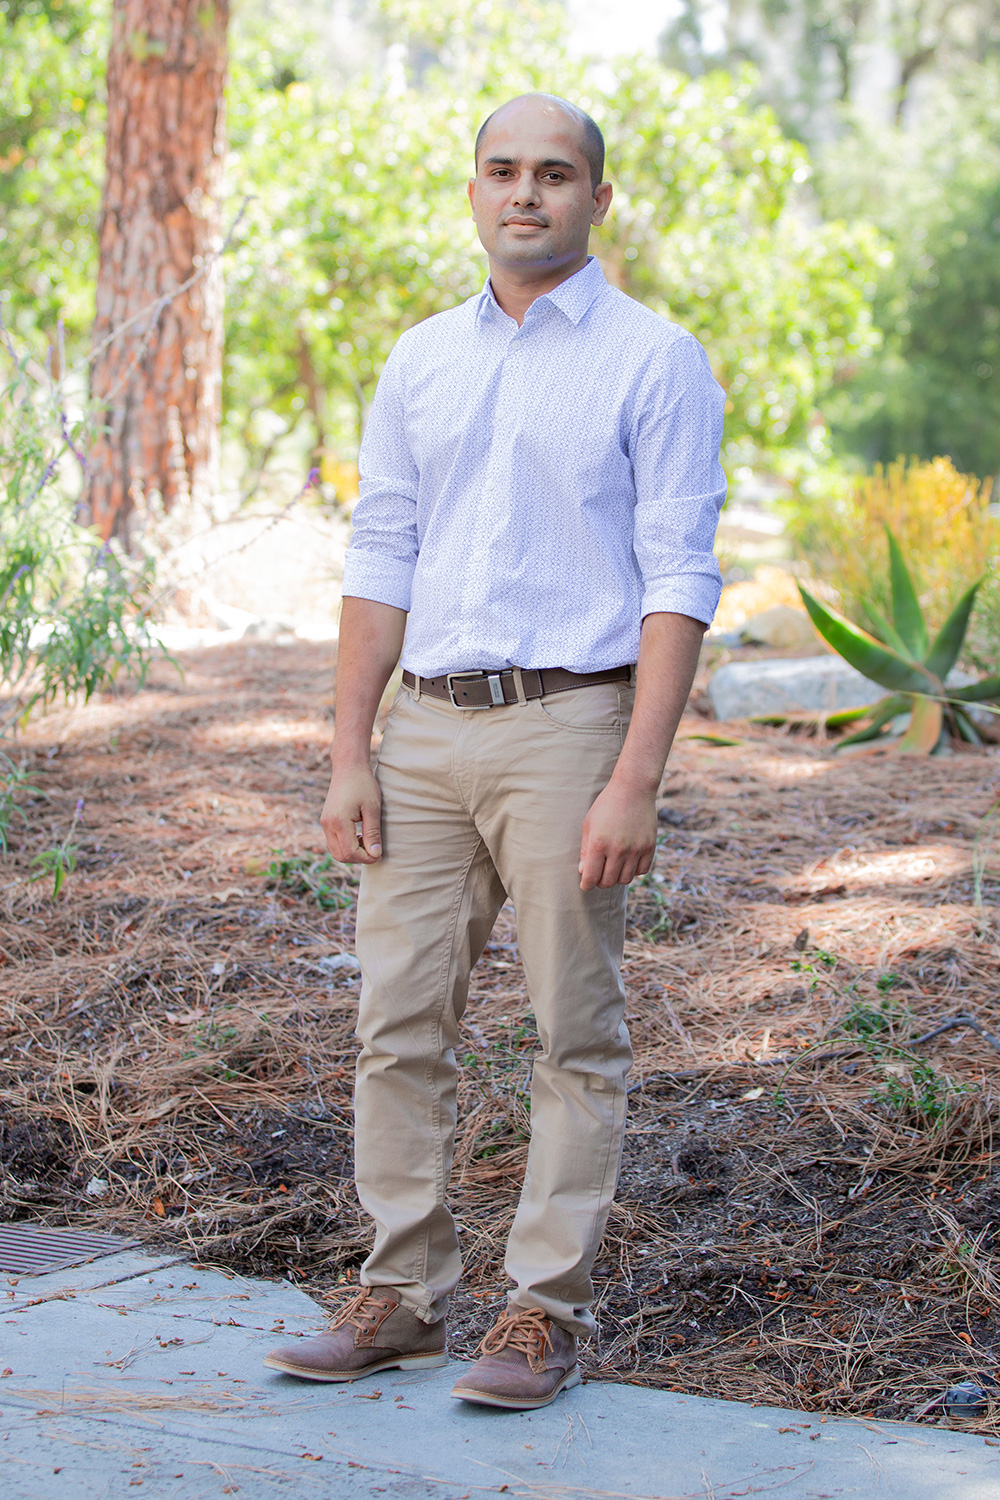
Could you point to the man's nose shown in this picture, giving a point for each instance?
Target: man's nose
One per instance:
(525, 191)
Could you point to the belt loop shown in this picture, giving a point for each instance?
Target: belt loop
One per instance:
(519, 686)
(632, 675)
(417, 682)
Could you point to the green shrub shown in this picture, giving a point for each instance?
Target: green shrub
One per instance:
(74, 611)
(904, 658)
(946, 527)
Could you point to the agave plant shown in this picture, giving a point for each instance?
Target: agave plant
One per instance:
(908, 663)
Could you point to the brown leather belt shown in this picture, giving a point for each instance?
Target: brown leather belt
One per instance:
(494, 689)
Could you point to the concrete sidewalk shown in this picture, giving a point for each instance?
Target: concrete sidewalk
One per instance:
(136, 1372)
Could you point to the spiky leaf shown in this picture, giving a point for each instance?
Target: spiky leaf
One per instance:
(888, 633)
(863, 652)
(926, 723)
(966, 728)
(977, 692)
(881, 713)
(944, 652)
(907, 616)
(842, 716)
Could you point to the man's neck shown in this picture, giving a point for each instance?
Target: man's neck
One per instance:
(515, 288)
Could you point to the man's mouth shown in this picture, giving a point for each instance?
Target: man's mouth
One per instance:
(529, 223)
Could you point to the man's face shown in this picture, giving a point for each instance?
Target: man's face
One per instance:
(531, 197)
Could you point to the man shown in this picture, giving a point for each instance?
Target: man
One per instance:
(540, 478)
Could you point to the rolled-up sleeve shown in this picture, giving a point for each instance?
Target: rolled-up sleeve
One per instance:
(676, 432)
(382, 555)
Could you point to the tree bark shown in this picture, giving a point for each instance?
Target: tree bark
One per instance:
(156, 387)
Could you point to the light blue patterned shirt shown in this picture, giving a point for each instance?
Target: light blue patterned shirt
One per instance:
(529, 494)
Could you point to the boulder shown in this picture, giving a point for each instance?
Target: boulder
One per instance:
(781, 626)
(810, 684)
(742, 689)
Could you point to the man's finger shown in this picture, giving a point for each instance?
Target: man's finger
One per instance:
(371, 831)
(591, 867)
(344, 844)
(612, 875)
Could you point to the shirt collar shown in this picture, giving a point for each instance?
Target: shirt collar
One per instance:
(573, 297)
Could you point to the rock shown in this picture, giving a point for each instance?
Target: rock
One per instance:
(337, 962)
(780, 626)
(810, 684)
(742, 689)
(967, 1398)
(280, 632)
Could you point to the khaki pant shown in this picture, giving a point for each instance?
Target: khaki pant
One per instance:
(478, 806)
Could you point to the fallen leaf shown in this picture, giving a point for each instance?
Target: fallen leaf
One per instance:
(965, 1338)
(752, 1094)
(158, 1208)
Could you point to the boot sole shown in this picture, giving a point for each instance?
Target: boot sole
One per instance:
(512, 1403)
(340, 1377)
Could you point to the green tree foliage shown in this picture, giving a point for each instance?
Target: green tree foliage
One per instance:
(358, 225)
(934, 387)
(361, 225)
(710, 225)
(51, 162)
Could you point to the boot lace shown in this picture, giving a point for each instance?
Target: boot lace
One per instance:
(527, 1331)
(362, 1311)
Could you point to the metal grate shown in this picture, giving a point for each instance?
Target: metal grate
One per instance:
(30, 1250)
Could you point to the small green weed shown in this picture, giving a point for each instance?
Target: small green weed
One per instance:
(324, 880)
(867, 1023)
(909, 1084)
(807, 967)
(13, 780)
(920, 1091)
(60, 860)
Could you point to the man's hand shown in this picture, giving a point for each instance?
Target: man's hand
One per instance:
(371, 636)
(353, 799)
(619, 832)
(619, 837)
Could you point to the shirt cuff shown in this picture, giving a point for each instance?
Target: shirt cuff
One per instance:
(695, 594)
(384, 580)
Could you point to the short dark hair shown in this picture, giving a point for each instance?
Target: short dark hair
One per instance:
(593, 140)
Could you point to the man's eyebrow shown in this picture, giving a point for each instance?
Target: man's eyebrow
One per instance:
(550, 161)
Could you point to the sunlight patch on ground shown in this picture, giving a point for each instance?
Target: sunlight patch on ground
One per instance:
(857, 867)
(785, 769)
(274, 731)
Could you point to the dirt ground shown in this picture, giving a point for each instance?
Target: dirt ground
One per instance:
(809, 1204)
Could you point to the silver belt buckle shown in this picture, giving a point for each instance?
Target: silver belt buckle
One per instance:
(495, 686)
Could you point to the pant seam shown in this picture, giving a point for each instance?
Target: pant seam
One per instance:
(445, 974)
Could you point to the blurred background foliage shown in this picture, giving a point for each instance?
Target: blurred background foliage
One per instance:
(811, 186)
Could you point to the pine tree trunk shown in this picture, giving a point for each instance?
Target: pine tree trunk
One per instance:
(157, 386)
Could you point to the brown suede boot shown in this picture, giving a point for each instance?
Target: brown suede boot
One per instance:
(525, 1361)
(371, 1332)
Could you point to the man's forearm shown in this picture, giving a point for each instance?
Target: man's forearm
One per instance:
(668, 658)
(371, 638)
(619, 832)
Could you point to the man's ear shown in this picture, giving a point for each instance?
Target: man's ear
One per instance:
(602, 202)
(471, 190)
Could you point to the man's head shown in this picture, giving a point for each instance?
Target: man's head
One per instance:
(537, 188)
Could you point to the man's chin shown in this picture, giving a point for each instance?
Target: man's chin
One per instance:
(527, 252)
